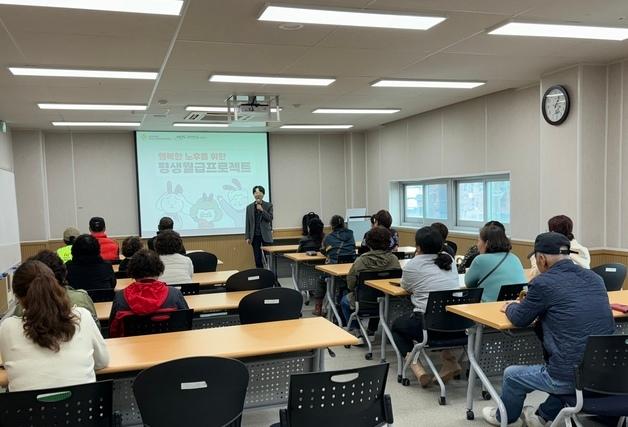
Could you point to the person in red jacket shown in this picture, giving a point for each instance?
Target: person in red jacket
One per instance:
(146, 295)
(109, 250)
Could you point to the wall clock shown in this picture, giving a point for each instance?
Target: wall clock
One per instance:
(555, 105)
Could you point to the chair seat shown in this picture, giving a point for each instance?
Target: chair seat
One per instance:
(447, 342)
(600, 404)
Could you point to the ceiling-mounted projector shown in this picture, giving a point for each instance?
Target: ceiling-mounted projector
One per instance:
(253, 110)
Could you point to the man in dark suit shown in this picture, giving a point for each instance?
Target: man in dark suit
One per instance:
(259, 224)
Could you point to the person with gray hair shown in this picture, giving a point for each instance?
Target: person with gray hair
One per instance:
(566, 304)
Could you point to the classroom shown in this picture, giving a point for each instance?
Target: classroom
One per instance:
(248, 205)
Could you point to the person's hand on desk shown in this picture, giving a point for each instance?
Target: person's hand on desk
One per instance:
(506, 304)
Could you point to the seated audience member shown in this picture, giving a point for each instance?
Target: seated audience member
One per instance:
(379, 258)
(495, 266)
(431, 269)
(69, 235)
(450, 247)
(306, 220)
(340, 242)
(88, 270)
(53, 344)
(382, 219)
(313, 241)
(473, 251)
(130, 246)
(568, 304)
(109, 250)
(579, 254)
(177, 268)
(165, 223)
(146, 294)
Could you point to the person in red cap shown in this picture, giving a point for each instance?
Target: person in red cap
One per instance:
(109, 250)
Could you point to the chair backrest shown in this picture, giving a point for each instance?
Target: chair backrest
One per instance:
(251, 280)
(452, 245)
(188, 288)
(346, 259)
(156, 323)
(206, 391)
(510, 292)
(603, 367)
(120, 274)
(351, 397)
(203, 261)
(270, 305)
(365, 296)
(400, 255)
(101, 295)
(437, 318)
(85, 405)
(612, 274)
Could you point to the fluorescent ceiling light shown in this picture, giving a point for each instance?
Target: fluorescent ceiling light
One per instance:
(92, 107)
(356, 111)
(98, 74)
(209, 109)
(351, 18)
(559, 30)
(427, 84)
(156, 7)
(99, 124)
(268, 80)
(316, 126)
(201, 125)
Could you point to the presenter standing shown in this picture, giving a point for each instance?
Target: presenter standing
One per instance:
(259, 224)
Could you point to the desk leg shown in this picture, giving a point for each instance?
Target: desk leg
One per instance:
(273, 263)
(383, 319)
(475, 333)
(319, 360)
(329, 296)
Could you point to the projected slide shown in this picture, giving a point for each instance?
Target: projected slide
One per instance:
(202, 180)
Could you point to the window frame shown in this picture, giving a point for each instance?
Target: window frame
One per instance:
(424, 220)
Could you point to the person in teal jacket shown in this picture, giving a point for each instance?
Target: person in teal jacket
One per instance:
(495, 266)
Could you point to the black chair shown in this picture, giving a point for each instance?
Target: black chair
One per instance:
(120, 274)
(270, 305)
(203, 261)
(601, 381)
(448, 329)
(511, 292)
(159, 322)
(352, 397)
(251, 280)
(101, 295)
(188, 288)
(195, 391)
(346, 259)
(452, 245)
(85, 405)
(366, 304)
(612, 274)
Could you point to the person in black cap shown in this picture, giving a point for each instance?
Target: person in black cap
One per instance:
(165, 223)
(568, 303)
(109, 249)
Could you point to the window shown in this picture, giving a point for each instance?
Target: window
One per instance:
(458, 202)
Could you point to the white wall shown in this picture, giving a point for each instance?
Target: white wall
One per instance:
(63, 179)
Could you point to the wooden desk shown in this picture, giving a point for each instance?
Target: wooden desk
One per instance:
(200, 303)
(272, 252)
(204, 279)
(489, 314)
(387, 287)
(407, 249)
(304, 257)
(116, 267)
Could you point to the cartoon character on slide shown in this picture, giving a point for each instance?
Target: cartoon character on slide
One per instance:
(235, 202)
(206, 211)
(172, 202)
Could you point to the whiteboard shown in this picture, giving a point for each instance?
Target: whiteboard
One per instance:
(10, 253)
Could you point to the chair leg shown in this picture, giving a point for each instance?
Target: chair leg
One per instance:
(566, 414)
(621, 422)
(574, 419)
(414, 353)
(443, 390)
(365, 336)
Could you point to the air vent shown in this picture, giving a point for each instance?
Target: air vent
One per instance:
(206, 117)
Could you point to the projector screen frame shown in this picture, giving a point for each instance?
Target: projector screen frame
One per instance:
(267, 195)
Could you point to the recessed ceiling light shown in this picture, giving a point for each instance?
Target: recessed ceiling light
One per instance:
(209, 109)
(92, 107)
(444, 84)
(98, 124)
(201, 125)
(290, 27)
(560, 30)
(356, 111)
(270, 80)
(156, 7)
(316, 126)
(347, 17)
(98, 74)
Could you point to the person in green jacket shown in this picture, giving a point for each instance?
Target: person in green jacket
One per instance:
(65, 252)
(495, 266)
(78, 297)
(379, 258)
